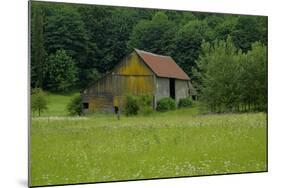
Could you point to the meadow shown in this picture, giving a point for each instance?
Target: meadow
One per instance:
(98, 148)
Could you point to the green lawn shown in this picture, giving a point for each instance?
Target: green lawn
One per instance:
(57, 104)
(100, 148)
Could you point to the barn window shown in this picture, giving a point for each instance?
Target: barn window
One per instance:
(85, 105)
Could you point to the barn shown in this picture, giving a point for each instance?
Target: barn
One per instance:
(138, 73)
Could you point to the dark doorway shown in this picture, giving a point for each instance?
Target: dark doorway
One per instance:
(85, 105)
(172, 88)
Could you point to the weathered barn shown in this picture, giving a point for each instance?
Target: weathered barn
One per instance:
(139, 73)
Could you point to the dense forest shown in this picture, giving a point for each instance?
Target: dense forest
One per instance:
(225, 55)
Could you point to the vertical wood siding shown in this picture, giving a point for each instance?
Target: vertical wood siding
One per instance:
(131, 76)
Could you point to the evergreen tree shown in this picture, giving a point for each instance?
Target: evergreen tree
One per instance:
(37, 49)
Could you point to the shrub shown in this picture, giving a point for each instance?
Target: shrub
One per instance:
(166, 104)
(145, 102)
(185, 102)
(75, 106)
(146, 110)
(138, 105)
(38, 100)
(131, 106)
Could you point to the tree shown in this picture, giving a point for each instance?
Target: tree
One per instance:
(229, 80)
(225, 28)
(155, 35)
(38, 101)
(254, 77)
(248, 30)
(188, 42)
(37, 49)
(65, 30)
(219, 73)
(108, 31)
(62, 72)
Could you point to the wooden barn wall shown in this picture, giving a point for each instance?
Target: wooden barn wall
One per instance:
(162, 88)
(131, 76)
(100, 95)
(135, 85)
(181, 88)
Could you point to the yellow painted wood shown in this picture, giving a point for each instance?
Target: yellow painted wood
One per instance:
(133, 65)
(131, 76)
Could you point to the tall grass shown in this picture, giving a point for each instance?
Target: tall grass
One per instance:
(178, 143)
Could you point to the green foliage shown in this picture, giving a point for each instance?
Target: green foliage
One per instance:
(131, 106)
(38, 52)
(155, 35)
(254, 77)
(248, 30)
(145, 104)
(185, 102)
(65, 29)
(166, 104)
(38, 101)
(141, 104)
(75, 106)
(146, 110)
(188, 40)
(61, 71)
(57, 104)
(110, 29)
(230, 80)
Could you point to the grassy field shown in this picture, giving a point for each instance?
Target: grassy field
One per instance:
(57, 104)
(99, 148)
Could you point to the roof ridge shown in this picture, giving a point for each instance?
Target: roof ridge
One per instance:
(150, 53)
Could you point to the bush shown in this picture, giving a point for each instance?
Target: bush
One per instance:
(146, 110)
(132, 106)
(75, 106)
(185, 102)
(166, 104)
(138, 105)
(145, 102)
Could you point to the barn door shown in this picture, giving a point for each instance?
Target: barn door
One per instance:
(172, 88)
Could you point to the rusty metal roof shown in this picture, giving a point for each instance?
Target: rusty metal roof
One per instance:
(162, 66)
